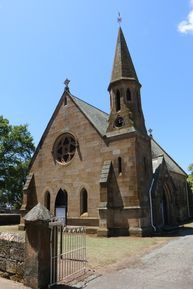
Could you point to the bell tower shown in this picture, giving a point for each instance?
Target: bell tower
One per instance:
(130, 145)
(124, 88)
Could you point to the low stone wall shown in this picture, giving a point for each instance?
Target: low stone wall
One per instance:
(12, 256)
(9, 219)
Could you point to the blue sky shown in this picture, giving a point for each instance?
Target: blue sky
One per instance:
(44, 42)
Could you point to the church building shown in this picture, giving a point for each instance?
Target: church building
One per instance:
(103, 170)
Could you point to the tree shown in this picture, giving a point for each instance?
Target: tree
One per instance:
(190, 177)
(16, 148)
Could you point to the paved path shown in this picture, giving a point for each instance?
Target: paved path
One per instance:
(168, 267)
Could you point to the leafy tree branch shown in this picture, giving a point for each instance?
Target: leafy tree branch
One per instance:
(16, 148)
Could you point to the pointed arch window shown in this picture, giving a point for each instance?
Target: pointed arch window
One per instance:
(118, 101)
(120, 168)
(47, 200)
(65, 101)
(83, 202)
(128, 95)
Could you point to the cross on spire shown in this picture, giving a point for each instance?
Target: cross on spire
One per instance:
(150, 132)
(119, 19)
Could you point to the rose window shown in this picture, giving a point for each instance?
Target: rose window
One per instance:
(65, 148)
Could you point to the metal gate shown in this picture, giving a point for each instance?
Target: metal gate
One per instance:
(67, 252)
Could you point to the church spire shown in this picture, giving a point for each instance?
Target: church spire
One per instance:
(123, 67)
(124, 88)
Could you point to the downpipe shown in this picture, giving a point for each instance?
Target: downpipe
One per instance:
(187, 197)
(151, 208)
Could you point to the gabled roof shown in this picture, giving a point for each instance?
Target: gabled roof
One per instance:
(97, 117)
(157, 151)
(123, 65)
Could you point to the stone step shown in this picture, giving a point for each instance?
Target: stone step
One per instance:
(91, 230)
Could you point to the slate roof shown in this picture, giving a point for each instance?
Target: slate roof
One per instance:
(123, 66)
(156, 162)
(157, 151)
(97, 117)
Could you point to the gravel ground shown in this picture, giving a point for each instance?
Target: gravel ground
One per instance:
(168, 267)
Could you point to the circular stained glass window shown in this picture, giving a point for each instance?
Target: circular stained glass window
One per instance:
(65, 148)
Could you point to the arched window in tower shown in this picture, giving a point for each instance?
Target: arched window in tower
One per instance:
(128, 95)
(120, 165)
(47, 200)
(118, 100)
(83, 202)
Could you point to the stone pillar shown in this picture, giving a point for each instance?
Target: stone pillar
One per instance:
(37, 248)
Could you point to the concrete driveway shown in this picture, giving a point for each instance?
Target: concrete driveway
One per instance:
(168, 267)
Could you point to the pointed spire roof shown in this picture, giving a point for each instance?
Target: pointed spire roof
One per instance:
(123, 66)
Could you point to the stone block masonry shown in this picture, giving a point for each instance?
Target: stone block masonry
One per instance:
(12, 246)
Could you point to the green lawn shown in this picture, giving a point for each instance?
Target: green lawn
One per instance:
(102, 252)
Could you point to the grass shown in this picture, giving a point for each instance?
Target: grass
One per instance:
(11, 229)
(102, 252)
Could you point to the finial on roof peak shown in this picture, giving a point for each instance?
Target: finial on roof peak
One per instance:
(66, 82)
(119, 18)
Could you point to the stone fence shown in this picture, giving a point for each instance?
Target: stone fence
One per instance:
(12, 246)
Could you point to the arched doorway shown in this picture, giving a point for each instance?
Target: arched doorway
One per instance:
(83, 202)
(61, 205)
(47, 200)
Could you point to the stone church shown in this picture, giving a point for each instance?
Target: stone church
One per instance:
(103, 170)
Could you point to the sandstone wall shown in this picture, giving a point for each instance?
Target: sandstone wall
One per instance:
(12, 256)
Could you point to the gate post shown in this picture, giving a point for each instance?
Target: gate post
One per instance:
(37, 248)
